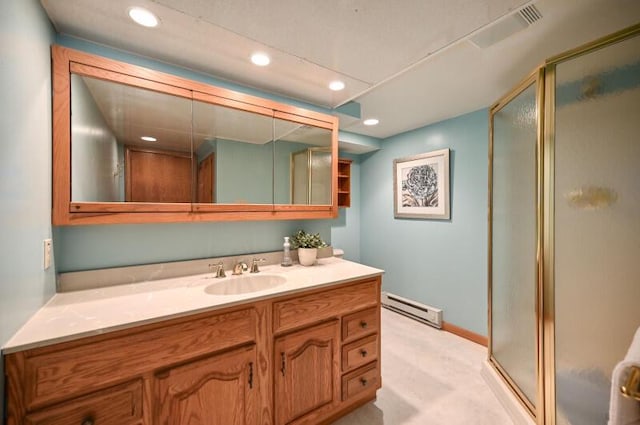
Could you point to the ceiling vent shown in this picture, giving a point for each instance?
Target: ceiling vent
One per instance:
(506, 27)
(530, 14)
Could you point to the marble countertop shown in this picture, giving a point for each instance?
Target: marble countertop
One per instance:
(72, 315)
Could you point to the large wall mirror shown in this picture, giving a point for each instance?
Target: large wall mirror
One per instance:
(135, 145)
(303, 164)
(129, 144)
(234, 155)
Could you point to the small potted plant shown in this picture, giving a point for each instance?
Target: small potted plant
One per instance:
(307, 245)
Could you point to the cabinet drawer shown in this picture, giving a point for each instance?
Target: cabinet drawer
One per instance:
(360, 323)
(119, 405)
(361, 380)
(53, 375)
(307, 309)
(359, 352)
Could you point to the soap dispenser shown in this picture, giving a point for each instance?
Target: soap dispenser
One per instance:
(286, 259)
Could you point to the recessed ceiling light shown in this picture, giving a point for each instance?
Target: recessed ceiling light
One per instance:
(336, 85)
(149, 139)
(143, 17)
(371, 121)
(260, 59)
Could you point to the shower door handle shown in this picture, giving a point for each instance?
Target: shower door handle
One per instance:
(631, 388)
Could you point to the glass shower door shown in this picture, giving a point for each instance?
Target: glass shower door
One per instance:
(513, 239)
(596, 225)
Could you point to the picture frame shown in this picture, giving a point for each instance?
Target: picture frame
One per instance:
(421, 186)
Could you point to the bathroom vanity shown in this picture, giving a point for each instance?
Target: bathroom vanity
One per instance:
(296, 345)
(304, 352)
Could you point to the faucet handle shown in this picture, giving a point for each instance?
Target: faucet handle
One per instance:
(254, 264)
(219, 269)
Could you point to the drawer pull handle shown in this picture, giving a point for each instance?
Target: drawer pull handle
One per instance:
(87, 421)
(363, 353)
(363, 381)
(363, 324)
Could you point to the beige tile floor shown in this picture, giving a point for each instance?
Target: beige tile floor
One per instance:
(429, 377)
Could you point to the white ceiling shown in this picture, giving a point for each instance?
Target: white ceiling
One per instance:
(407, 62)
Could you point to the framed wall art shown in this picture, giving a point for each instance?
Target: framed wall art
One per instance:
(421, 186)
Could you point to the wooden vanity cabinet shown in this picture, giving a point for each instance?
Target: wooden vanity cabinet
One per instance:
(339, 327)
(149, 374)
(307, 358)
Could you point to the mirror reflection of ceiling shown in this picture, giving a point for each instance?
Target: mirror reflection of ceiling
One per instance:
(306, 134)
(133, 112)
(211, 122)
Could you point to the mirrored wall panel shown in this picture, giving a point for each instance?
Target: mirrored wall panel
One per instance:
(135, 145)
(129, 144)
(234, 152)
(303, 163)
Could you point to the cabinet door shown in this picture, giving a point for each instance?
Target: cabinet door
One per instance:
(217, 390)
(305, 384)
(158, 176)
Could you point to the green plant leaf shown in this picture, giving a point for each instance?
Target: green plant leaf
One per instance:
(302, 239)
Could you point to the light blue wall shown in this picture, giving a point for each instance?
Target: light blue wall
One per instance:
(94, 150)
(91, 247)
(282, 173)
(25, 164)
(244, 172)
(442, 263)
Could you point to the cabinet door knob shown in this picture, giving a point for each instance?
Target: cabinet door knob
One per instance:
(363, 353)
(363, 381)
(88, 421)
(363, 324)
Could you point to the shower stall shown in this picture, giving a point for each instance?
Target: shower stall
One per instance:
(564, 230)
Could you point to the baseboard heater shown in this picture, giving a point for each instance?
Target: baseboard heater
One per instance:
(423, 313)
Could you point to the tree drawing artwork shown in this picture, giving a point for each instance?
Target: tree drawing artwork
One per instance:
(420, 186)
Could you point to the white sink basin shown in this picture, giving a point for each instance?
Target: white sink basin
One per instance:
(245, 284)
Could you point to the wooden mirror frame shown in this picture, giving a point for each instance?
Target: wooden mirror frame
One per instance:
(66, 212)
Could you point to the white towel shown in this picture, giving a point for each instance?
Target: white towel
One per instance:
(623, 410)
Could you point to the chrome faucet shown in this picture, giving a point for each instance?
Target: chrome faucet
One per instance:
(239, 268)
(254, 264)
(219, 269)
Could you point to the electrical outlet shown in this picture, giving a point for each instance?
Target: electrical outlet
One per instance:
(48, 247)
